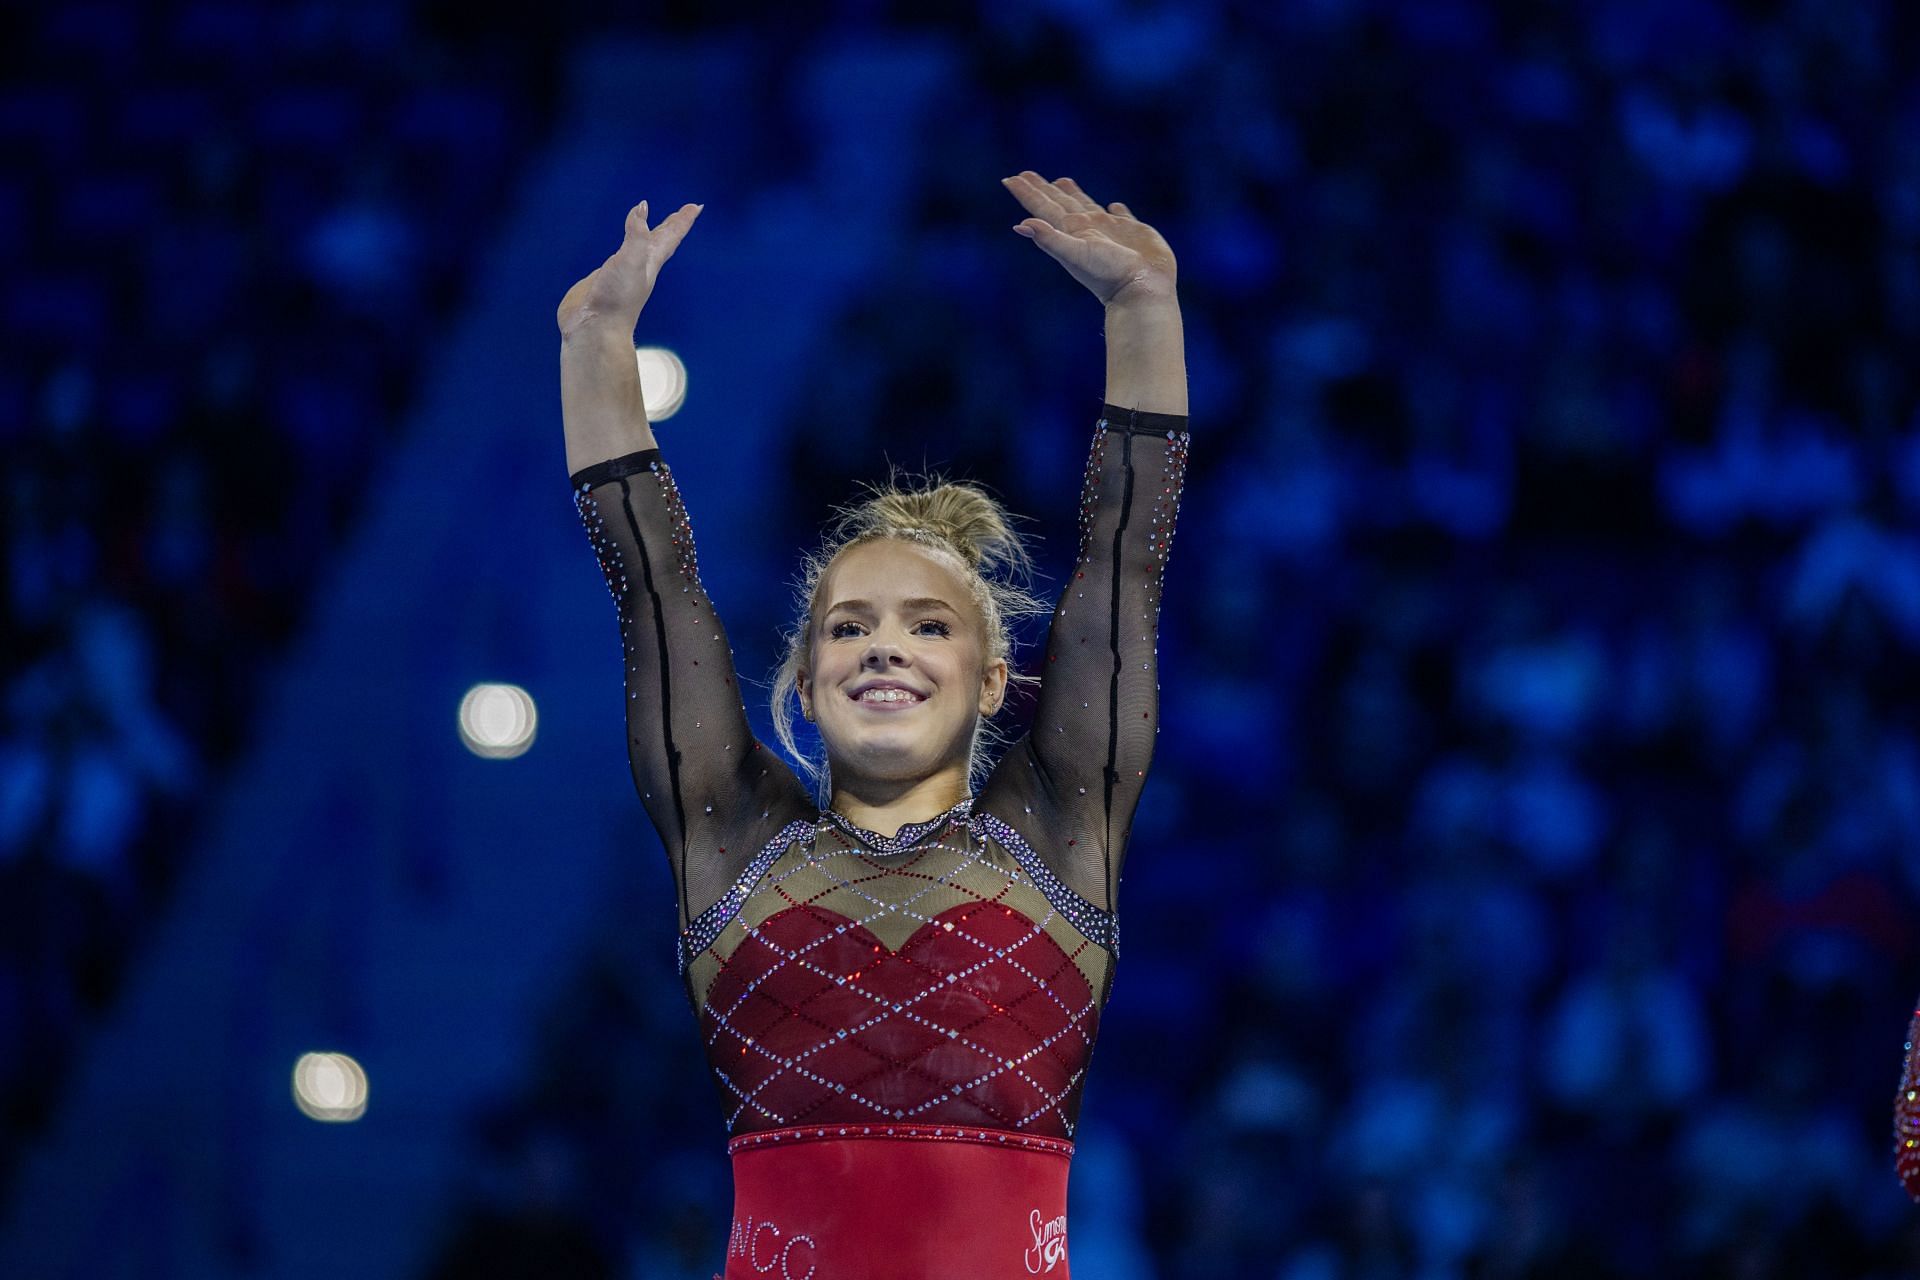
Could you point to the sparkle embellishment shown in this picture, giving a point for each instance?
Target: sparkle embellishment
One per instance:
(907, 836)
(703, 929)
(1906, 1114)
(937, 1133)
(833, 969)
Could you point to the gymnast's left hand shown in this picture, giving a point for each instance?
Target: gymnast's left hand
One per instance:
(1113, 253)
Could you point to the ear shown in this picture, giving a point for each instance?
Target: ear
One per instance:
(993, 687)
(800, 687)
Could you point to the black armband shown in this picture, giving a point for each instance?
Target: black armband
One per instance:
(614, 468)
(1139, 422)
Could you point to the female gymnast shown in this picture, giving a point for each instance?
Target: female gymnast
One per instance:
(899, 991)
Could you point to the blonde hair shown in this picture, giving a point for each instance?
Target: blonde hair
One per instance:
(958, 519)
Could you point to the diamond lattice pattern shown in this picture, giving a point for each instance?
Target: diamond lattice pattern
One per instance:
(934, 984)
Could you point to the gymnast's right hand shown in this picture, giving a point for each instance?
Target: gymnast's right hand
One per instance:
(614, 292)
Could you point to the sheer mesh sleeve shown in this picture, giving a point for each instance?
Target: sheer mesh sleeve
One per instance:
(1071, 784)
(715, 794)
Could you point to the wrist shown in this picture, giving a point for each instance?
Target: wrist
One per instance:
(595, 329)
(1144, 321)
(1146, 354)
(1144, 298)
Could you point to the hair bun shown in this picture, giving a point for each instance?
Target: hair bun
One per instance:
(955, 514)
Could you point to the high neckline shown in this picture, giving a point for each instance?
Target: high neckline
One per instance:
(910, 833)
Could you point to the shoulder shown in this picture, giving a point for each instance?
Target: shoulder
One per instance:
(1094, 921)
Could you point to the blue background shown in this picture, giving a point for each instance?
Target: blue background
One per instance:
(1526, 881)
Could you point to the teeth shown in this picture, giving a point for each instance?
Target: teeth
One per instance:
(887, 695)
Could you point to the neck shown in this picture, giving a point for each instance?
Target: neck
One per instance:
(887, 804)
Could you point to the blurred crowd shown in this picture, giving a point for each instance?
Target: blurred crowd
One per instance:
(1529, 864)
(223, 226)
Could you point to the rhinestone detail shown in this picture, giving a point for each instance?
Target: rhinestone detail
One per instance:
(936, 1133)
(1906, 1115)
(704, 928)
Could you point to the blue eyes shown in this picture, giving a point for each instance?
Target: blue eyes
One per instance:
(834, 630)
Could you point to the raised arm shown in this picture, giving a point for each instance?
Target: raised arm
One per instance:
(713, 792)
(1072, 784)
(600, 402)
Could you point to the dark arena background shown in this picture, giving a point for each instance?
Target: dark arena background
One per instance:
(1526, 883)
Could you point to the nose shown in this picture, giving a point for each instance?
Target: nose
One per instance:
(883, 653)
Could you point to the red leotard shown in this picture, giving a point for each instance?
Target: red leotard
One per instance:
(899, 1025)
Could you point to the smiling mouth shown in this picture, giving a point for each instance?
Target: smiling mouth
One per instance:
(896, 699)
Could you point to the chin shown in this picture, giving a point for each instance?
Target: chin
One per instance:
(890, 755)
(885, 756)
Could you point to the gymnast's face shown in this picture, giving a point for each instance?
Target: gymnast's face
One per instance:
(894, 613)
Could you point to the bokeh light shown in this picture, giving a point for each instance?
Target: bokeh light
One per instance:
(498, 721)
(330, 1087)
(663, 382)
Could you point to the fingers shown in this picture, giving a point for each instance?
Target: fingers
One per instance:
(673, 230)
(1080, 199)
(1039, 197)
(1058, 199)
(679, 220)
(668, 234)
(1050, 238)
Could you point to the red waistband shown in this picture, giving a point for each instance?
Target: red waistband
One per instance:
(918, 1203)
(921, 1132)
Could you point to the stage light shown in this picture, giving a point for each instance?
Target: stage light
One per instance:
(330, 1087)
(663, 382)
(497, 720)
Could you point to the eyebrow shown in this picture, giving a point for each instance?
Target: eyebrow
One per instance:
(918, 602)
